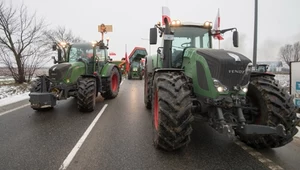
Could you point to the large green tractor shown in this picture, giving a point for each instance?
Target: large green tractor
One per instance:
(187, 80)
(81, 71)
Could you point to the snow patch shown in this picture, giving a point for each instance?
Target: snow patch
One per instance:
(14, 99)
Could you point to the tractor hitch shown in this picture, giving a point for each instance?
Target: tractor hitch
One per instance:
(262, 130)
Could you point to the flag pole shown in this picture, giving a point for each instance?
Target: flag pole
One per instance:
(219, 44)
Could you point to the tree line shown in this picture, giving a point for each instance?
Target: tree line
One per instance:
(25, 41)
(290, 52)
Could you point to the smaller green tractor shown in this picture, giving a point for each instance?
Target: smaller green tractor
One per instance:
(262, 68)
(82, 71)
(136, 68)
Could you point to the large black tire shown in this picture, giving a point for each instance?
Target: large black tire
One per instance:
(147, 90)
(86, 94)
(171, 109)
(113, 85)
(36, 87)
(275, 106)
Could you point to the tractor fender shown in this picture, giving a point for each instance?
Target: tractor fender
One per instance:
(258, 74)
(107, 69)
(149, 64)
(98, 81)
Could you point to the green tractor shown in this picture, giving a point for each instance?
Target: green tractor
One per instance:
(262, 68)
(136, 66)
(187, 80)
(82, 72)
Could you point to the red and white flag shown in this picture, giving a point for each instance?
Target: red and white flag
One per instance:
(165, 14)
(127, 67)
(216, 27)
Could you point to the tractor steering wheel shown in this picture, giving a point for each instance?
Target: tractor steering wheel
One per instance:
(187, 44)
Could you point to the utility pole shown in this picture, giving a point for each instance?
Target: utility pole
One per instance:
(255, 34)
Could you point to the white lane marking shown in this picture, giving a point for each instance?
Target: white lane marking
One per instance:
(73, 152)
(17, 108)
(270, 164)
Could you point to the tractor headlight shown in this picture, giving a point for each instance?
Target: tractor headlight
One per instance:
(175, 23)
(219, 86)
(245, 89)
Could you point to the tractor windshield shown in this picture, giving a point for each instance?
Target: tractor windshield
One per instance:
(84, 51)
(188, 36)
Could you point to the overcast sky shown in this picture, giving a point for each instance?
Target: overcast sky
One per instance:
(131, 19)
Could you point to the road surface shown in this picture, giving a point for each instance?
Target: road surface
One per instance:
(118, 135)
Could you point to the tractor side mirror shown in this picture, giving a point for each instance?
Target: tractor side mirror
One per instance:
(159, 50)
(235, 38)
(54, 60)
(101, 45)
(153, 36)
(54, 48)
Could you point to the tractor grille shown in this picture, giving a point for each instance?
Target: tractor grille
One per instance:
(226, 66)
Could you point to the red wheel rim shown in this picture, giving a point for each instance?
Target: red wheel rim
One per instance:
(156, 110)
(114, 82)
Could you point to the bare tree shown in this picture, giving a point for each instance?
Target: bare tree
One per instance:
(296, 54)
(289, 53)
(286, 53)
(61, 34)
(22, 47)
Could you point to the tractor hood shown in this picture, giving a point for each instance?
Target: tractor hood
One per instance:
(58, 71)
(226, 66)
(64, 71)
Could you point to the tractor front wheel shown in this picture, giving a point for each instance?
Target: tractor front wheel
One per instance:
(147, 90)
(113, 85)
(86, 95)
(171, 109)
(275, 106)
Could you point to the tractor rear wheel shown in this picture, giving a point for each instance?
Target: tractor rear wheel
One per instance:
(113, 85)
(275, 106)
(171, 109)
(86, 95)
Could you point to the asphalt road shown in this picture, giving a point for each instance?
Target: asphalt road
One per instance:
(121, 139)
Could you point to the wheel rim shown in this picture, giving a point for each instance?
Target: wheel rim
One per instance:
(156, 119)
(114, 82)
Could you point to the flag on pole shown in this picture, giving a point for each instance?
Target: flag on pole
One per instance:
(216, 27)
(165, 14)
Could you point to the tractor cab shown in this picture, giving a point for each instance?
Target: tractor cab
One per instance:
(187, 35)
(262, 68)
(178, 36)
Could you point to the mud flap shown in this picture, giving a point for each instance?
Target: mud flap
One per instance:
(42, 100)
